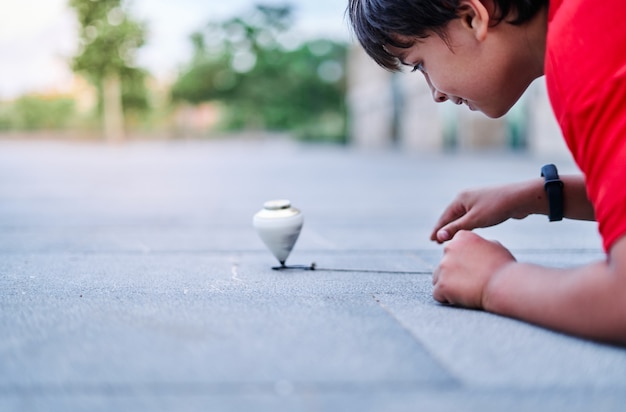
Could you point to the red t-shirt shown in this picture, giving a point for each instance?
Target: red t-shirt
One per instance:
(585, 70)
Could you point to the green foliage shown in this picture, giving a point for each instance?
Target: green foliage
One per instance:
(244, 64)
(6, 117)
(33, 112)
(109, 40)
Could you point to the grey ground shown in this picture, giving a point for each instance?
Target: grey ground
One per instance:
(131, 279)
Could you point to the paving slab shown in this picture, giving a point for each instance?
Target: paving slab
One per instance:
(131, 279)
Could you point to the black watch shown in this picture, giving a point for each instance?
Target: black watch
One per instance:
(554, 188)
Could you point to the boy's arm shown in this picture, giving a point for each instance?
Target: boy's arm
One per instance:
(491, 206)
(588, 301)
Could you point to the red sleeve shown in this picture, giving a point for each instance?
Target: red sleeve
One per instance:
(604, 158)
(586, 76)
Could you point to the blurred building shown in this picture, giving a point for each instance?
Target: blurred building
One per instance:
(397, 109)
(195, 120)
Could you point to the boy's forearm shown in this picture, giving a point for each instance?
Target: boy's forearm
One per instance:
(589, 301)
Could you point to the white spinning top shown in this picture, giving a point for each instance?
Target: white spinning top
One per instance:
(278, 224)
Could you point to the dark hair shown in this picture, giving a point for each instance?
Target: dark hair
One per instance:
(377, 22)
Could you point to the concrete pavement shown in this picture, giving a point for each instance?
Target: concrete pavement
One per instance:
(131, 279)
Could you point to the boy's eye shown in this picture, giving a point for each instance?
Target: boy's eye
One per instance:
(418, 67)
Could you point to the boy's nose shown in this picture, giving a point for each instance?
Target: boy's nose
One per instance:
(439, 97)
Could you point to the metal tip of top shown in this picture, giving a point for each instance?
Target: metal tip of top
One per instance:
(277, 204)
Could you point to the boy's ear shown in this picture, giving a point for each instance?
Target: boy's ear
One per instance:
(474, 15)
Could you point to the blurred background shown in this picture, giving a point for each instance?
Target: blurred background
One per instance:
(119, 70)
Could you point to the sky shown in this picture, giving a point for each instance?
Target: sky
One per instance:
(38, 37)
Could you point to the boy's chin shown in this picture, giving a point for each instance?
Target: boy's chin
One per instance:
(495, 113)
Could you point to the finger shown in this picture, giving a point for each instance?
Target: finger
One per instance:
(437, 295)
(454, 212)
(440, 297)
(435, 276)
(450, 230)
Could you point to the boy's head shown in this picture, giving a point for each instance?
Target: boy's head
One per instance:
(481, 53)
(381, 23)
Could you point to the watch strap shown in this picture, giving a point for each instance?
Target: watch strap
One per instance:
(554, 189)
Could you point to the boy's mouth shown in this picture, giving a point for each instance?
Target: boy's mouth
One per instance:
(465, 102)
(468, 105)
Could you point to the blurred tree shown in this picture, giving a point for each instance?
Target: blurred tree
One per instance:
(251, 65)
(109, 40)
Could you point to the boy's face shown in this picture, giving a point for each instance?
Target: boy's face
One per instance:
(487, 73)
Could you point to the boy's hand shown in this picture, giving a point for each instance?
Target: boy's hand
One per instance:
(468, 264)
(482, 208)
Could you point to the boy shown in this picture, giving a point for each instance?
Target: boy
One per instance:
(485, 53)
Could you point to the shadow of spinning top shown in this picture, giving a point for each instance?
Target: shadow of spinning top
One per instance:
(278, 224)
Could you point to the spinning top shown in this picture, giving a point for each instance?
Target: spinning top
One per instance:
(278, 224)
